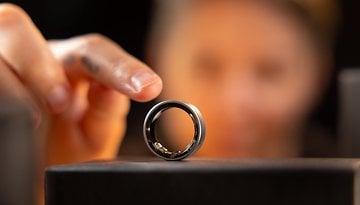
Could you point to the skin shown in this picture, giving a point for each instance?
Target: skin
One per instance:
(78, 89)
(251, 69)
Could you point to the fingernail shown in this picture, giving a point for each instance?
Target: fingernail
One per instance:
(58, 98)
(143, 79)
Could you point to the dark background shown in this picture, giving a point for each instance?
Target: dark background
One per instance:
(127, 23)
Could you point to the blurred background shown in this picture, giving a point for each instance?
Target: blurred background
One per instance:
(128, 23)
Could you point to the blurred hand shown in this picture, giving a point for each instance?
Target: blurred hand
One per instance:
(79, 88)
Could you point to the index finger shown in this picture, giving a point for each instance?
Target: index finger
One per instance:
(101, 59)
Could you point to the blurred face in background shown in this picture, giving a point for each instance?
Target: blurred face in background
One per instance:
(252, 70)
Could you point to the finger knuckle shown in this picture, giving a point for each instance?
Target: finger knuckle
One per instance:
(91, 42)
(11, 14)
(95, 39)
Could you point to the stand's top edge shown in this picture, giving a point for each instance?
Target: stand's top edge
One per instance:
(211, 165)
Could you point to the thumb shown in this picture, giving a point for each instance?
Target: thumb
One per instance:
(104, 121)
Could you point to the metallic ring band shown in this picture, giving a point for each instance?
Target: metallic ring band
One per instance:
(149, 130)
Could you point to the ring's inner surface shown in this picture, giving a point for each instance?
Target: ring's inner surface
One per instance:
(174, 129)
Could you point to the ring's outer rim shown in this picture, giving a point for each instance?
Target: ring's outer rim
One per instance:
(150, 121)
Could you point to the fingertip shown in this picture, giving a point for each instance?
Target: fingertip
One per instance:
(149, 92)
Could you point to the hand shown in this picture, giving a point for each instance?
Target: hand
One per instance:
(79, 88)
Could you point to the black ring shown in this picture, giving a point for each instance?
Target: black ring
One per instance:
(149, 130)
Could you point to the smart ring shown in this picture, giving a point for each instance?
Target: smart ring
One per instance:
(149, 130)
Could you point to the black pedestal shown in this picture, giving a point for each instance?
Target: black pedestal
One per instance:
(246, 182)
